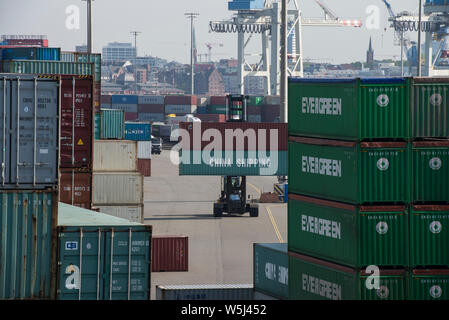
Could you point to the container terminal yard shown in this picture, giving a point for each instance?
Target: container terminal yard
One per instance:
(280, 177)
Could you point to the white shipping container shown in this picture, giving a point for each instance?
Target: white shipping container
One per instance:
(125, 106)
(115, 156)
(180, 109)
(150, 100)
(144, 150)
(131, 213)
(117, 188)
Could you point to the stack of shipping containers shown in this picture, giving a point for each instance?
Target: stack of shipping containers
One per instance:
(180, 105)
(141, 132)
(151, 108)
(29, 130)
(254, 108)
(127, 103)
(359, 178)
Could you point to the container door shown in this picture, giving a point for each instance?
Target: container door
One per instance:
(81, 263)
(4, 131)
(34, 134)
(127, 269)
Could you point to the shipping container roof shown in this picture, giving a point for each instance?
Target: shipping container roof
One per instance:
(74, 216)
(206, 286)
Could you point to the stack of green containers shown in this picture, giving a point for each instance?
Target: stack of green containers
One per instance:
(368, 187)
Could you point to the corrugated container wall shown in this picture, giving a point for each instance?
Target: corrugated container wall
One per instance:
(157, 100)
(270, 269)
(170, 253)
(114, 188)
(76, 122)
(349, 109)
(179, 109)
(115, 156)
(235, 292)
(144, 167)
(152, 117)
(180, 100)
(138, 131)
(151, 108)
(28, 244)
(102, 257)
(97, 125)
(75, 188)
(29, 107)
(124, 99)
(131, 116)
(144, 150)
(112, 124)
(429, 284)
(128, 108)
(47, 67)
(132, 213)
(211, 117)
(53, 54)
(95, 59)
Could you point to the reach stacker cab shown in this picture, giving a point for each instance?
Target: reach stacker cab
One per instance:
(233, 188)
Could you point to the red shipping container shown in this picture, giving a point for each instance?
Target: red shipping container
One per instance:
(253, 110)
(106, 99)
(169, 253)
(75, 188)
(144, 167)
(211, 117)
(76, 122)
(131, 116)
(151, 108)
(217, 100)
(270, 113)
(183, 100)
(259, 131)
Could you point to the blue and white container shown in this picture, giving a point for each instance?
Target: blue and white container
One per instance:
(138, 131)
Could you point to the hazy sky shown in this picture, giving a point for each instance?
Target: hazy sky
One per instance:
(166, 31)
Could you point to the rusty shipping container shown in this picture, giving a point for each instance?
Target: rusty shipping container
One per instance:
(236, 136)
(270, 113)
(151, 108)
(131, 116)
(182, 100)
(211, 117)
(76, 122)
(170, 253)
(217, 100)
(75, 188)
(144, 167)
(106, 98)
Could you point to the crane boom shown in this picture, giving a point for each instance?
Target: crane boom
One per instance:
(327, 11)
(400, 34)
(390, 10)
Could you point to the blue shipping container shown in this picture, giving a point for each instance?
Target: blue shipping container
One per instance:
(138, 131)
(123, 98)
(47, 54)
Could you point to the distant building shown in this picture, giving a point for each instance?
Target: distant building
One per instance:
(255, 85)
(81, 48)
(216, 85)
(118, 52)
(141, 75)
(230, 83)
(370, 54)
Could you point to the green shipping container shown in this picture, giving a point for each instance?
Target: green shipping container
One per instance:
(28, 244)
(94, 58)
(429, 284)
(270, 269)
(347, 234)
(255, 100)
(216, 109)
(233, 163)
(313, 279)
(97, 125)
(429, 235)
(430, 171)
(349, 109)
(47, 67)
(112, 124)
(430, 107)
(357, 173)
(102, 257)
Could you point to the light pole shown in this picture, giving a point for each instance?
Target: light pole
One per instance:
(283, 84)
(135, 33)
(419, 38)
(191, 16)
(89, 26)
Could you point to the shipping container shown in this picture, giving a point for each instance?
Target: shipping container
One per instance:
(95, 59)
(144, 167)
(124, 99)
(106, 99)
(97, 125)
(27, 244)
(115, 156)
(97, 97)
(261, 296)
(75, 188)
(138, 131)
(211, 117)
(273, 100)
(113, 188)
(202, 101)
(170, 253)
(255, 100)
(235, 136)
(152, 117)
(131, 116)
(217, 100)
(254, 110)
(254, 118)
(102, 257)
(144, 150)
(430, 107)
(47, 67)
(180, 100)
(430, 171)
(128, 108)
(270, 269)
(237, 292)
(355, 236)
(31, 54)
(349, 109)
(179, 109)
(233, 163)
(76, 122)
(313, 279)
(112, 124)
(150, 100)
(216, 109)
(29, 132)
(429, 235)
(357, 173)
(132, 213)
(271, 113)
(429, 284)
(151, 108)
